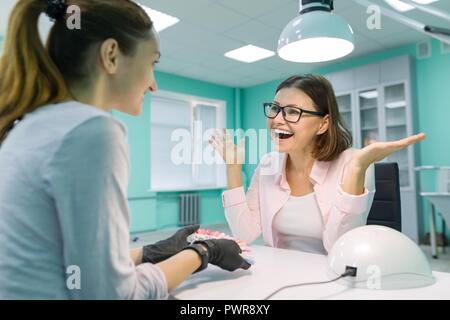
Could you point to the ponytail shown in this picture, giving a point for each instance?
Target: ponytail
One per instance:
(28, 76)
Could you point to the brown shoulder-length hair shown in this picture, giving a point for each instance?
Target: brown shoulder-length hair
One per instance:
(33, 75)
(337, 138)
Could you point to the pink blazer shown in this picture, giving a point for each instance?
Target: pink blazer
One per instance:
(253, 213)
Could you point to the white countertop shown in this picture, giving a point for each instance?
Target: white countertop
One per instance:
(276, 268)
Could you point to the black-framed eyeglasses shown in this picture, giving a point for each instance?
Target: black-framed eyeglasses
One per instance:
(290, 113)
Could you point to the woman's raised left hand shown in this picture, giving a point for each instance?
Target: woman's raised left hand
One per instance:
(377, 151)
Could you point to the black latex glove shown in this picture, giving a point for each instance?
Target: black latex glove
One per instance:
(165, 249)
(225, 254)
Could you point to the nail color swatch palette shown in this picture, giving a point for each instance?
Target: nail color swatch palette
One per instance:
(204, 234)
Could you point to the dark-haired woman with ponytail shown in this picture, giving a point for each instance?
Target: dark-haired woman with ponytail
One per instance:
(64, 220)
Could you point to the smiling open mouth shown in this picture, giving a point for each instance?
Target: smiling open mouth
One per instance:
(282, 134)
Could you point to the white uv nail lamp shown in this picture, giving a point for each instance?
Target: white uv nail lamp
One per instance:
(384, 258)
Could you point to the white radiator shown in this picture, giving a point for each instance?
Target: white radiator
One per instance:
(189, 209)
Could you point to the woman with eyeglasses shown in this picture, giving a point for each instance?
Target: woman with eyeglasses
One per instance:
(64, 217)
(316, 187)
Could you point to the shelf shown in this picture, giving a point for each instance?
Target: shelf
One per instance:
(368, 108)
(369, 95)
(395, 104)
(396, 125)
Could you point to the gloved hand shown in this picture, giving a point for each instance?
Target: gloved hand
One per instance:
(225, 254)
(165, 249)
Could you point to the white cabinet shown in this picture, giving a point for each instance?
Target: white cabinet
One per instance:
(369, 129)
(368, 75)
(345, 108)
(378, 107)
(343, 80)
(397, 127)
(394, 69)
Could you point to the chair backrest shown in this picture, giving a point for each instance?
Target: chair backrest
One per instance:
(386, 208)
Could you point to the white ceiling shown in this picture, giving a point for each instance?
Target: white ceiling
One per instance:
(195, 46)
(209, 28)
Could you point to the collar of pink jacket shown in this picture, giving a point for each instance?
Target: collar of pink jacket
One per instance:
(317, 176)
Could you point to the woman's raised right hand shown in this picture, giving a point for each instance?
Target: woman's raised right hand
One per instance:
(232, 154)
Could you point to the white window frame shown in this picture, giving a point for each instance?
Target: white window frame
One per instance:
(194, 102)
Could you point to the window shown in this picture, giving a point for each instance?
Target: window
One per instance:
(181, 158)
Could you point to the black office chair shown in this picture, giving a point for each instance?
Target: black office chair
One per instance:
(386, 208)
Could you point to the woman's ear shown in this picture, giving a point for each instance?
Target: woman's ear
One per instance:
(109, 56)
(324, 125)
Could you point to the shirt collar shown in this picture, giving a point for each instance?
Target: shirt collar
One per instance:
(317, 176)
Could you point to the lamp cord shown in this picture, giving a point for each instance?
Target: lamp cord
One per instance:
(345, 274)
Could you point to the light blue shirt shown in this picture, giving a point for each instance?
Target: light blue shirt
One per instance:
(63, 209)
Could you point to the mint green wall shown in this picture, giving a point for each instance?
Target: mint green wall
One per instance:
(151, 211)
(433, 112)
(431, 95)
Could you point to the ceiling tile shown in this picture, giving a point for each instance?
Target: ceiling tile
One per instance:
(246, 82)
(254, 32)
(402, 38)
(252, 71)
(180, 9)
(281, 66)
(357, 17)
(341, 5)
(199, 39)
(280, 17)
(253, 9)
(442, 5)
(427, 18)
(189, 55)
(220, 62)
(365, 47)
(202, 13)
(171, 65)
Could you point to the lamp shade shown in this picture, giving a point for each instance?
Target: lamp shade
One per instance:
(384, 258)
(315, 36)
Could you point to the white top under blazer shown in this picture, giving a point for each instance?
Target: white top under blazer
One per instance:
(300, 225)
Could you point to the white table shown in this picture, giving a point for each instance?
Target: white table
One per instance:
(441, 202)
(275, 268)
(439, 199)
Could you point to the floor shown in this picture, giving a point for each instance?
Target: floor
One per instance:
(441, 264)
